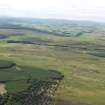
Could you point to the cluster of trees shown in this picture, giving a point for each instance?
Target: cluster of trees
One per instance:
(38, 93)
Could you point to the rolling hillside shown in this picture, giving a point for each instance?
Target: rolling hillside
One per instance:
(74, 48)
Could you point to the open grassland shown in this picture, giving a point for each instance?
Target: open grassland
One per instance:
(80, 59)
(17, 78)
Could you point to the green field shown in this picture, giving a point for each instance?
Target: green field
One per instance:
(80, 58)
(15, 77)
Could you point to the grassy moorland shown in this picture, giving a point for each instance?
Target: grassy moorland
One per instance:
(78, 52)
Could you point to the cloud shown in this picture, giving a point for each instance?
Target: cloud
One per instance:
(67, 9)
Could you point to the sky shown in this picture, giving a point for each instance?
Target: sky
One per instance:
(59, 9)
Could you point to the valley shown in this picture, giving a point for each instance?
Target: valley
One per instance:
(73, 48)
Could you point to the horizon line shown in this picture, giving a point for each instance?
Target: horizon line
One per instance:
(64, 19)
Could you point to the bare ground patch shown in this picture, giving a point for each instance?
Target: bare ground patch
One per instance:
(2, 88)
